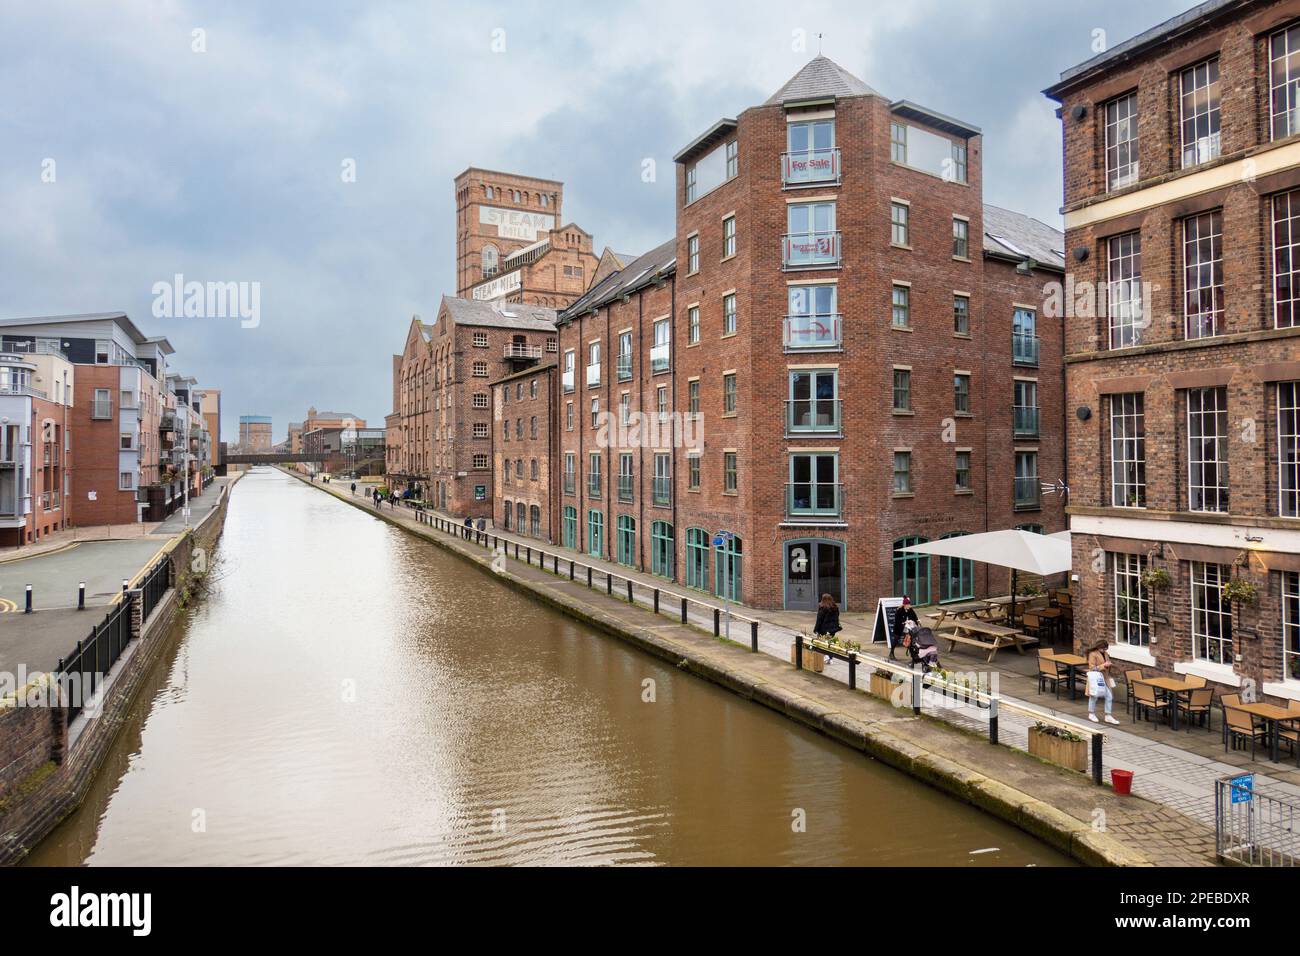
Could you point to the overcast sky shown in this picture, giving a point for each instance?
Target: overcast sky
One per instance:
(226, 164)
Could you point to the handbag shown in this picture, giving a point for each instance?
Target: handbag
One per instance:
(1096, 684)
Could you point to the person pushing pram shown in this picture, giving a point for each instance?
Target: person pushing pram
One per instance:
(922, 646)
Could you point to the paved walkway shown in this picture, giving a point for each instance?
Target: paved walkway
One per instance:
(1169, 770)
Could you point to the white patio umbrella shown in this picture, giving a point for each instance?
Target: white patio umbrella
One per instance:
(1015, 549)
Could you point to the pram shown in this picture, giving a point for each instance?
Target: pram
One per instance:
(922, 647)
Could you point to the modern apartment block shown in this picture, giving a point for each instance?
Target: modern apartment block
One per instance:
(36, 399)
(842, 354)
(1182, 214)
(523, 449)
(255, 434)
(511, 245)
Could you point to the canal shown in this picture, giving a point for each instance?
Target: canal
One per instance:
(348, 694)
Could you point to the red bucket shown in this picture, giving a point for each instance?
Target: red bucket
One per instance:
(1122, 780)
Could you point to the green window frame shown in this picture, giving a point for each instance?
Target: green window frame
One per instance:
(911, 571)
(727, 569)
(626, 551)
(697, 558)
(956, 575)
(663, 546)
(569, 528)
(595, 533)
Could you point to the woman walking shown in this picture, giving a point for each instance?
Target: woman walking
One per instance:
(828, 617)
(1100, 683)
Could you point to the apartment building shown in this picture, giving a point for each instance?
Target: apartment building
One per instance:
(523, 445)
(210, 409)
(36, 398)
(255, 433)
(510, 244)
(1182, 215)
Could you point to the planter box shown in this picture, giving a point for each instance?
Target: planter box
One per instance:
(882, 686)
(812, 661)
(1071, 754)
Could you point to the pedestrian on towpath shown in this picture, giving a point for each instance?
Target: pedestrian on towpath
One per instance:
(904, 614)
(469, 528)
(1100, 683)
(354, 489)
(828, 617)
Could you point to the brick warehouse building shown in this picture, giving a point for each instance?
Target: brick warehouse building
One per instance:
(523, 445)
(1182, 203)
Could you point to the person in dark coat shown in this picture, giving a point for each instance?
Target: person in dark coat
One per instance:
(828, 617)
(904, 614)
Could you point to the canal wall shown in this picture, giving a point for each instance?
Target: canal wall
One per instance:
(1063, 809)
(47, 762)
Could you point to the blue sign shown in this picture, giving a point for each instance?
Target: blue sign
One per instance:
(719, 540)
(1243, 788)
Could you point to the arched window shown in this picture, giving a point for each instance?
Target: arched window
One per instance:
(697, 558)
(533, 469)
(595, 533)
(521, 511)
(506, 513)
(727, 569)
(569, 528)
(956, 575)
(489, 261)
(487, 191)
(662, 549)
(627, 540)
(911, 571)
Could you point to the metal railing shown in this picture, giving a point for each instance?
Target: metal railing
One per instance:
(625, 483)
(593, 485)
(812, 415)
(1025, 420)
(624, 367)
(812, 331)
(101, 409)
(566, 380)
(1024, 349)
(1028, 492)
(810, 166)
(22, 390)
(570, 483)
(659, 357)
(801, 249)
(593, 375)
(513, 351)
(1254, 828)
(814, 499)
(84, 669)
(661, 490)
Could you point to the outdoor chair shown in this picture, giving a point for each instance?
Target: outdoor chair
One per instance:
(1240, 726)
(1051, 672)
(1034, 626)
(1145, 702)
(1194, 680)
(1196, 706)
(1129, 678)
(1228, 700)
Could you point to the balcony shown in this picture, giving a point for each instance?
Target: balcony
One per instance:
(661, 490)
(625, 487)
(593, 375)
(593, 485)
(813, 499)
(167, 422)
(1025, 420)
(566, 380)
(810, 166)
(624, 368)
(101, 410)
(1028, 494)
(810, 250)
(8, 389)
(812, 331)
(570, 483)
(1024, 349)
(805, 415)
(514, 351)
(659, 358)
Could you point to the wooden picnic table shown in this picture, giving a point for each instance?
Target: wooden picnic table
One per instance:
(1171, 687)
(1072, 664)
(984, 634)
(1274, 716)
(958, 611)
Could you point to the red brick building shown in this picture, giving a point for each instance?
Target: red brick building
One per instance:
(523, 444)
(1182, 211)
(36, 397)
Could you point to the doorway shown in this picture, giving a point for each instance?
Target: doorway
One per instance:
(813, 568)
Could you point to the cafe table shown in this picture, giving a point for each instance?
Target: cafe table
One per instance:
(1072, 663)
(1170, 687)
(959, 611)
(1274, 716)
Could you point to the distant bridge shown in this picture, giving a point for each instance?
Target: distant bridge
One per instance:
(270, 458)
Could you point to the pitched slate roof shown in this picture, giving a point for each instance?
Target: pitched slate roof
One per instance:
(641, 271)
(820, 76)
(506, 315)
(1011, 234)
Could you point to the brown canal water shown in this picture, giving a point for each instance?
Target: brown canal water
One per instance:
(349, 694)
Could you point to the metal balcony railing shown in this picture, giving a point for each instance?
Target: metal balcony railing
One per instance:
(1028, 492)
(814, 499)
(101, 409)
(1024, 349)
(810, 166)
(812, 331)
(812, 415)
(662, 490)
(624, 367)
(566, 380)
(624, 487)
(593, 485)
(570, 483)
(593, 375)
(659, 357)
(1025, 420)
(8, 389)
(513, 351)
(808, 249)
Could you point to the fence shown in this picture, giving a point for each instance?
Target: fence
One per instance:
(81, 674)
(1254, 828)
(154, 586)
(930, 693)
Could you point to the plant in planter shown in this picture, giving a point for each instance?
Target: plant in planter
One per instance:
(1059, 746)
(1156, 579)
(1241, 591)
(1030, 589)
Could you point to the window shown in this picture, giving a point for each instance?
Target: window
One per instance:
(902, 390)
(814, 487)
(729, 394)
(593, 364)
(898, 223)
(626, 550)
(812, 319)
(480, 400)
(728, 237)
(1288, 446)
(662, 549)
(126, 481)
(961, 315)
(127, 441)
(625, 477)
(1024, 410)
(568, 415)
(729, 314)
(489, 261)
(661, 402)
(624, 408)
(692, 254)
(1124, 306)
(1211, 614)
(733, 159)
(1203, 274)
(959, 162)
(911, 571)
(595, 533)
(480, 369)
(1284, 81)
(1207, 449)
(727, 569)
(662, 486)
(693, 472)
(730, 476)
(535, 520)
(624, 356)
(697, 558)
(593, 475)
(1128, 466)
(480, 340)
(570, 363)
(956, 576)
(902, 472)
(693, 324)
(963, 471)
(1199, 111)
(480, 430)
(532, 427)
(961, 393)
(569, 527)
(532, 389)
(902, 316)
(898, 142)
(811, 238)
(1291, 625)
(595, 413)
(960, 239)
(661, 350)
(1027, 487)
(1132, 606)
(812, 156)
(1286, 259)
(691, 181)
(519, 429)
(814, 401)
(480, 461)
(570, 473)
(1121, 142)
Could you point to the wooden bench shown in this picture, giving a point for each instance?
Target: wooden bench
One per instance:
(986, 636)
